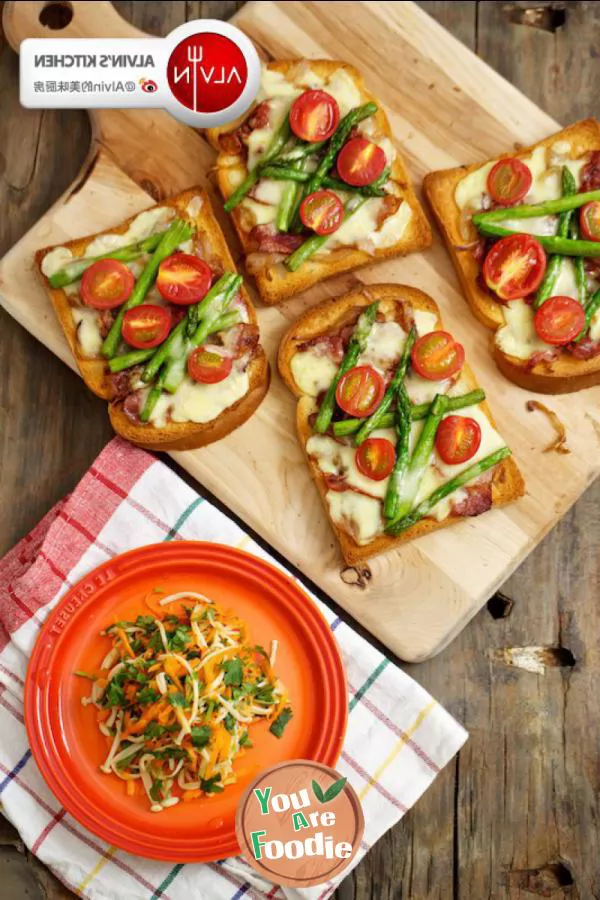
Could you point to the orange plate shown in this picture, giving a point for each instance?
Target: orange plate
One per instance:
(64, 737)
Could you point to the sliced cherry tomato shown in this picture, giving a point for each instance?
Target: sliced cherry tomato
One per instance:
(375, 458)
(323, 211)
(360, 162)
(314, 116)
(360, 391)
(106, 284)
(508, 181)
(437, 355)
(515, 266)
(146, 325)
(457, 439)
(183, 278)
(559, 320)
(207, 366)
(589, 219)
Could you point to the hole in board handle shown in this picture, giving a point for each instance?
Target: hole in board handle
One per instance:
(56, 14)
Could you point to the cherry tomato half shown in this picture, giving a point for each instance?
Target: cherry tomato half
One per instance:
(559, 320)
(589, 219)
(508, 181)
(323, 211)
(106, 284)
(183, 278)
(314, 116)
(360, 391)
(360, 162)
(437, 356)
(515, 266)
(146, 325)
(457, 439)
(375, 458)
(208, 367)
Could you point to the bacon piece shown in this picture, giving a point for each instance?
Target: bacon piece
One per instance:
(270, 241)
(331, 345)
(390, 204)
(585, 349)
(477, 501)
(233, 142)
(241, 340)
(590, 174)
(543, 356)
(105, 320)
(132, 406)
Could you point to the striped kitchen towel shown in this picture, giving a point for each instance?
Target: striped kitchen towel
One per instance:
(397, 741)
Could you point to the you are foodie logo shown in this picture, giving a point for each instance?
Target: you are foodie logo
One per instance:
(300, 824)
(205, 73)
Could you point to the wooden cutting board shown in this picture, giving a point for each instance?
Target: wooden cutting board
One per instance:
(446, 107)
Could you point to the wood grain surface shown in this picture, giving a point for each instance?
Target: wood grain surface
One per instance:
(517, 815)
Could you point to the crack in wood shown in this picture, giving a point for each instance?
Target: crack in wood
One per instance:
(543, 881)
(534, 659)
(549, 17)
(500, 606)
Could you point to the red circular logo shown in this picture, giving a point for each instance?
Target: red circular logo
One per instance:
(207, 72)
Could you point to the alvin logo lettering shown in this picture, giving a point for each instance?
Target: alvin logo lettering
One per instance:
(207, 72)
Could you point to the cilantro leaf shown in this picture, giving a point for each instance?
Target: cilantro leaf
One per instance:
(115, 695)
(211, 785)
(180, 638)
(279, 725)
(245, 740)
(155, 791)
(229, 723)
(147, 695)
(201, 735)
(234, 671)
(176, 699)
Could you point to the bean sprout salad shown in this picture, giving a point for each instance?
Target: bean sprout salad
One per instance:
(176, 695)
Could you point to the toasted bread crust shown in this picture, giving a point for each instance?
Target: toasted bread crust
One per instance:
(563, 375)
(276, 283)
(507, 482)
(174, 436)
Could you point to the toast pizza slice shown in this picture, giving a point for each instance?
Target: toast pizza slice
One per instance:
(312, 179)
(397, 434)
(523, 232)
(160, 324)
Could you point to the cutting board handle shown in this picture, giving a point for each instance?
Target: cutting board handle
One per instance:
(64, 18)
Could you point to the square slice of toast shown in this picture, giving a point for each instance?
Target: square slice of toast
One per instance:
(563, 373)
(274, 282)
(336, 317)
(192, 205)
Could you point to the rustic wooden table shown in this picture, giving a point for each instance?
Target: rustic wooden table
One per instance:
(517, 814)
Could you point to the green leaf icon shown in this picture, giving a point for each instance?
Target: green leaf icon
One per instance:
(334, 789)
(318, 792)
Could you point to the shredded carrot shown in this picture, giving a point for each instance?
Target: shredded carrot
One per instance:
(125, 641)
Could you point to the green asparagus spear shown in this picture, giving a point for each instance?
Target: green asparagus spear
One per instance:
(301, 150)
(563, 246)
(174, 344)
(546, 288)
(419, 512)
(417, 412)
(579, 265)
(420, 458)
(286, 173)
(152, 398)
(289, 198)
(591, 308)
(278, 142)
(337, 141)
(175, 234)
(531, 211)
(374, 421)
(357, 345)
(316, 241)
(403, 419)
(75, 269)
(127, 360)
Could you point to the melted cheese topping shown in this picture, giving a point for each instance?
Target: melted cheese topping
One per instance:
(313, 372)
(595, 327)
(518, 337)
(356, 514)
(360, 229)
(200, 403)
(385, 343)
(88, 331)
